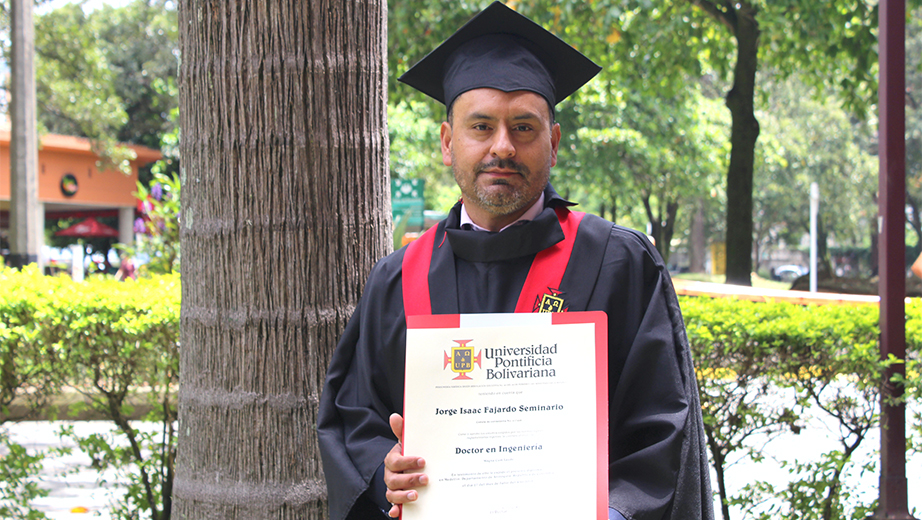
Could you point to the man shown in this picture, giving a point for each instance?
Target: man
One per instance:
(510, 242)
(126, 269)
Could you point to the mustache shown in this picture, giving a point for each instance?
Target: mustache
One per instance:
(505, 164)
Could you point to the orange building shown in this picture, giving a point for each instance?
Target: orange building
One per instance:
(70, 184)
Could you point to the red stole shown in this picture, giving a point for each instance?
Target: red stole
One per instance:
(543, 278)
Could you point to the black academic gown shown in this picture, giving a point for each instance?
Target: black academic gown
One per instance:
(657, 459)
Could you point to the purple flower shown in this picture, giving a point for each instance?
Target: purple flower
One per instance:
(139, 226)
(156, 191)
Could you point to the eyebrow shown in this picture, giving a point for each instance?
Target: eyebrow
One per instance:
(485, 117)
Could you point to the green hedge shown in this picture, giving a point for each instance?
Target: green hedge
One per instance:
(102, 336)
(760, 367)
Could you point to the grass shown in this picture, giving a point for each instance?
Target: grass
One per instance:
(757, 281)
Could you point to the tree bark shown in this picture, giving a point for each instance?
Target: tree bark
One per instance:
(614, 208)
(824, 265)
(719, 457)
(874, 236)
(698, 240)
(662, 226)
(284, 211)
(744, 133)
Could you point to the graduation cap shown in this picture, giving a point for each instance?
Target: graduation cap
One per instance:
(499, 48)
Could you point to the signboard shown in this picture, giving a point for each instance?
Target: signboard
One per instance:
(407, 197)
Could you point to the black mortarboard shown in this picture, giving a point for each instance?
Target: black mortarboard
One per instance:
(499, 48)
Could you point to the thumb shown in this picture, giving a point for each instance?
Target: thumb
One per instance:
(396, 422)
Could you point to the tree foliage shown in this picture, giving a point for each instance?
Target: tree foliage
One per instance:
(654, 156)
(653, 53)
(638, 142)
(159, 224)
(141, 46)
(108, 74)
(415, 152)
(75, 91)
(832, 42)
(807, 140)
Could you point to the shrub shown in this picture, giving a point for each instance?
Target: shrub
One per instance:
(760, 365)
(108, 340)
(27, 357)
(18, 481)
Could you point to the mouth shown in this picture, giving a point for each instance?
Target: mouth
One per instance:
(501, 172)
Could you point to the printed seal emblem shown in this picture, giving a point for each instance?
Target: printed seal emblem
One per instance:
(462, 359)
(551, 301)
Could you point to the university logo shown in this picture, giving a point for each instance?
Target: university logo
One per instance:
(462, 359)
(551, 301)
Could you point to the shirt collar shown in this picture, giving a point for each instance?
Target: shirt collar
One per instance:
(529, 215)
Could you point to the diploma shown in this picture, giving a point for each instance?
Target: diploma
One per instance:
(510, 412)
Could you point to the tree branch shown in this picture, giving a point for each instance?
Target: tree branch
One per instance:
(650, 216)
(723, 14)
(911, 100)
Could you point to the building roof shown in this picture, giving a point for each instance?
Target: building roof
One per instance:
(81, 145)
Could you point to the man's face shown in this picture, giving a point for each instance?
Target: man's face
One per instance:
(501, 147)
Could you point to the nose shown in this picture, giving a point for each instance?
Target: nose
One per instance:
(502, 147)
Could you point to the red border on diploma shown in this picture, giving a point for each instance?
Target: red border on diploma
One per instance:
(434, 321)
(600, 320)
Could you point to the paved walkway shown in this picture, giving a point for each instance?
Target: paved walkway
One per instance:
(71, 481)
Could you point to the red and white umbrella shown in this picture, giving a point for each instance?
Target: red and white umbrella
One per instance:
(89, 228)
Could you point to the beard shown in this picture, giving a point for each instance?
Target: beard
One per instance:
(501, 197)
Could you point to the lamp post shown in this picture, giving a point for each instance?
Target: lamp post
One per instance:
(814, 211)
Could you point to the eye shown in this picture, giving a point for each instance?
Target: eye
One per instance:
(480, 127)
(522, 128)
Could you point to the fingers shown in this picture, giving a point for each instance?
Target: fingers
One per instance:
(401, 493)
(402, 473)
(397, 498)
(403, 483)
(397, 463)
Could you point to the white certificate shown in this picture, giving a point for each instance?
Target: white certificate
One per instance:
(510, 412)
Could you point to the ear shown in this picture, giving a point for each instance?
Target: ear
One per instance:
(445, 138)
(555, 142)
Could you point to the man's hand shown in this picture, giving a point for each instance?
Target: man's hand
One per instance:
(399, 472)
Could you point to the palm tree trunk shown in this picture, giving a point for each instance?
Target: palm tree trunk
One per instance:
(284, 211)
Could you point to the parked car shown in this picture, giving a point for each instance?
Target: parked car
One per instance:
(788, 273)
